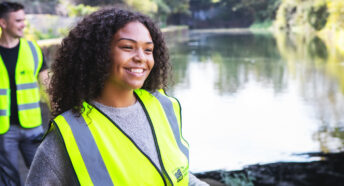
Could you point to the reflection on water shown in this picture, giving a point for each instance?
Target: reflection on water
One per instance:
(319, 71)
(258, 98)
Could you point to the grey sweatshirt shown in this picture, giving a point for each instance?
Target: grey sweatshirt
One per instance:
(52, 166)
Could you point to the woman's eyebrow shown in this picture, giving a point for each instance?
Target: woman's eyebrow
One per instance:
(132, 40)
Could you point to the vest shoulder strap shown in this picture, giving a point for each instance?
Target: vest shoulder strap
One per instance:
(37, 56)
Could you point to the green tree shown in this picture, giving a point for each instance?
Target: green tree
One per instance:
(317, 16)
(234, 13)
(148, 7)
(298, 16)
(262, 10)
(178, 10)
(178, 6)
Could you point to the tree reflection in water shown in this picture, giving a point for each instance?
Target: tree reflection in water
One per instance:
(319, 69)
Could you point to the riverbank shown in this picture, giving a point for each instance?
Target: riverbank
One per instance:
(328, 171)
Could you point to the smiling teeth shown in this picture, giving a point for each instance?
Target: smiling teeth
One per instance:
(136, 70)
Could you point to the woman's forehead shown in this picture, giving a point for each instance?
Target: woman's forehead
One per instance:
(134, 31)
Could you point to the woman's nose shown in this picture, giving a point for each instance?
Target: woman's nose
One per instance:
(139, 55)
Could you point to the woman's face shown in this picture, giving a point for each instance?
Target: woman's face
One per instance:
(132, 56)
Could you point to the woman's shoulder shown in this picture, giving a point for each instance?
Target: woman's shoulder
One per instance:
(51, 140)
(51, 164)
(52, 148)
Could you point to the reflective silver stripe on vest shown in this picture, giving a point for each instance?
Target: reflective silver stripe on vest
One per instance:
(3, 112)
(3, 92)
(89, 150)
(28, 106)
(27, 86)
(168, 108)
(35, 56)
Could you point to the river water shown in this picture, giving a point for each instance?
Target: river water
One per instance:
(251, 98)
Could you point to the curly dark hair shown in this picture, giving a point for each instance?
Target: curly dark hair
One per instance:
(83, 61)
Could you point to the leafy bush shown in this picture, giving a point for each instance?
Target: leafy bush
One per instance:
(336, 12)
(317, 16)
(80, 10)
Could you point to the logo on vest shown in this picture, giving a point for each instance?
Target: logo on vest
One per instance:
(180, 173)
(22, 72)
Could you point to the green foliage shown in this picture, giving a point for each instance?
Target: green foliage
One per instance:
(80, 10)
(237, 12)
(336, 12)
(263, 10)
(178, 6)
(261, 25)
(160, 10)
(47, 35)
(31, 33)
(148, 7)
(38, 35)
(42, 27)
(163, 8)
(63, 32)
(317, 16)
(297, 15)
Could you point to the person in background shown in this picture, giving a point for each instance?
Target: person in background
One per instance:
(114, 123)
(21, 65)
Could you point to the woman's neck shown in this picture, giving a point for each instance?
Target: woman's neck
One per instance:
(114, 98)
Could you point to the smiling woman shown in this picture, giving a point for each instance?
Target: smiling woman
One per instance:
(132, 56)
(113, 125)
(88, 59)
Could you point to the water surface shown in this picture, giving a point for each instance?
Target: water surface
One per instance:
(257, 98)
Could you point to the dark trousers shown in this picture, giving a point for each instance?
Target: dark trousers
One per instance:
(20, 140)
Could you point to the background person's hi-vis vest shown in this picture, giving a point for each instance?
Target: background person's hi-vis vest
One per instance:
(29, 61)
(102, 154)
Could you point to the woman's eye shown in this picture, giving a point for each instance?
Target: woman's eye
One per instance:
(127, 47)
(149, 50)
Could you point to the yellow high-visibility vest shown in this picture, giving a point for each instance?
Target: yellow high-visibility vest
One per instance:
(102, 154)
(30, 60)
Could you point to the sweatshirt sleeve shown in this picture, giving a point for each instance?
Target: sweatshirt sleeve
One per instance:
(51, 164)
(194, 181)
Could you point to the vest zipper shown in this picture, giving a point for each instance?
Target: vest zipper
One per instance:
(155, 141)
